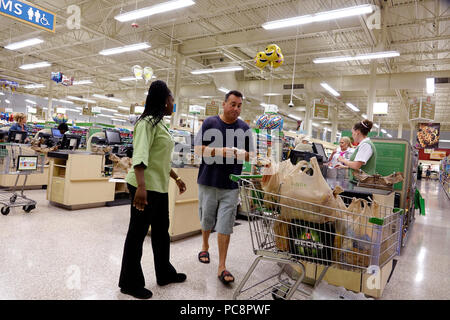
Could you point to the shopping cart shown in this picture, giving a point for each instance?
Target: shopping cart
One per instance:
(19, 160)
(282, 233)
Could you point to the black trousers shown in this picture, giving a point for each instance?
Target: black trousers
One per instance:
(156, 215)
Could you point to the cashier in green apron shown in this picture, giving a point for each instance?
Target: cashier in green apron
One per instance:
(365, 156)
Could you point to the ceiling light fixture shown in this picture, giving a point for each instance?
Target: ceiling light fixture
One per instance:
(327, 87)
(131, 47)
(224, 69)
(82, 82)
(34, 86)
(35, 65)
(368, 56)
(81, 99)
(321, 16)
(107, 98)
(149, 11)
(272, 94)
(30, 101)
(224, 90)
(23, 44)
(351, 106)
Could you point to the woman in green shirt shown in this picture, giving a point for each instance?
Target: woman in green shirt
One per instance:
(365, 156)
(148, 183)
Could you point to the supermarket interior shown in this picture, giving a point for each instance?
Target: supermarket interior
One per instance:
(339, 189)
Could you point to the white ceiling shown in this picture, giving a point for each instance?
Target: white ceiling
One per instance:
(215, 33)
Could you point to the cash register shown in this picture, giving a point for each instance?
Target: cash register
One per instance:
(318, 151)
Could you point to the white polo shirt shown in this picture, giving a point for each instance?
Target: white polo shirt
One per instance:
(364, 151)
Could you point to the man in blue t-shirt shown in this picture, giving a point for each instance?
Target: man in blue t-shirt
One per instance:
(223, 142)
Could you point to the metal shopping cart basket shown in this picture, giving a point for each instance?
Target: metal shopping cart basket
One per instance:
(282, 233)
(19, 160)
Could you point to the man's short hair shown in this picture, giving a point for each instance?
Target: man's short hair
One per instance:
(234, 93)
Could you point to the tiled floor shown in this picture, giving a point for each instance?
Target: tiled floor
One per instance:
(53, 253)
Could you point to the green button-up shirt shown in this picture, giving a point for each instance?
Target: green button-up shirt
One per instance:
(152, 146)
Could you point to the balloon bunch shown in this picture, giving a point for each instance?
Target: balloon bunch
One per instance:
(270, 121)
(60, 118)
(58, 77)
(7, 116)
(145, 73)
(271, 55)
(13, 85)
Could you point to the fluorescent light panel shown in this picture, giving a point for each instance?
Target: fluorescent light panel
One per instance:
(224, 90)
(23, 44)
(368, 56)
(152, 10)
(327, 87)
(131, 47)
(351, 106)
(42, 64)
(81, 99)
(34, 86)
(106, 98)
(317, 17)
(82, 82)
(224, 69)
(30, 101)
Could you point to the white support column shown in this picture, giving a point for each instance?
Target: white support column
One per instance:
(175, 116)
(308, 114)
(372, 90)
(411, 136)
(334, 123)
(50, 101)
(400, 130)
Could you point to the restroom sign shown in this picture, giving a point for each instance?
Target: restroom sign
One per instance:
(28, 13)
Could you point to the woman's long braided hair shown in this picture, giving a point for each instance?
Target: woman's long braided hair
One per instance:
(155, 104)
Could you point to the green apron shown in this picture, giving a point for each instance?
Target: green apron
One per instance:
(370, 165)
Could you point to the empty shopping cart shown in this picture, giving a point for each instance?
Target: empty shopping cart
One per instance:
(19, 160)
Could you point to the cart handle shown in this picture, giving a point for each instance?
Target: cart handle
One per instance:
(236, 178)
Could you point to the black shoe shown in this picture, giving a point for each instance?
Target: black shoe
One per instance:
(179, 277)
(140, 293)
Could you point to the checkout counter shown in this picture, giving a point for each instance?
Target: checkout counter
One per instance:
(339, 177)
(76, 180)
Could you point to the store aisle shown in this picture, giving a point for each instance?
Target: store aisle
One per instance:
(422, 269)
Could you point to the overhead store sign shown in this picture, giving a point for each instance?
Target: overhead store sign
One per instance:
(422, 109)
(320, 109)
(29, 14)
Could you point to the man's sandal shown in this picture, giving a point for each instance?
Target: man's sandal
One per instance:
(226, 273)
(203, 255)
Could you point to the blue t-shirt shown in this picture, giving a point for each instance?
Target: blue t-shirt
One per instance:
(215, 171)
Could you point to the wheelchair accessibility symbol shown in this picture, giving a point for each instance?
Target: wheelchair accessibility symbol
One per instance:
(37, 17)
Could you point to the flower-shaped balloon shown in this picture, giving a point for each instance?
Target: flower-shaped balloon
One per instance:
(148, 73)
(137, 71)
